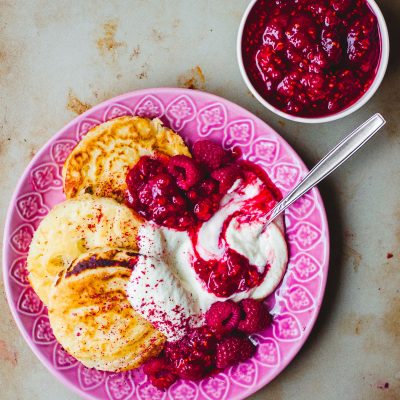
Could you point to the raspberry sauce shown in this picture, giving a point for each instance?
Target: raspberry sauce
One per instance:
(184, 193)
(179, 192)
(233, 272)
(153, 193)
(311, 58)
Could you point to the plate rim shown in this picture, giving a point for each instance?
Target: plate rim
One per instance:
(259, 384)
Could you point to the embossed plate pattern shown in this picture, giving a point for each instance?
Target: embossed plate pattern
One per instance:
(295, 304)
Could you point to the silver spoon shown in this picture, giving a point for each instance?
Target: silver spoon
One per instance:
(338, 155)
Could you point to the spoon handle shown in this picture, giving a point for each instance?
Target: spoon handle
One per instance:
(338, 155)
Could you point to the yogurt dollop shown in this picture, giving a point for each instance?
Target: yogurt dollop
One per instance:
(165, 287)
(157, 294)
(238, 226)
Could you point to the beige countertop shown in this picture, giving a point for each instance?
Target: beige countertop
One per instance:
(59, 58)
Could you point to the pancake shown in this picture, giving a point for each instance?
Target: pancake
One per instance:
(100, 162)
(92, 318)
(74, 227)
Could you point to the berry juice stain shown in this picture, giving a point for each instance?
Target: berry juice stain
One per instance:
(311, 58)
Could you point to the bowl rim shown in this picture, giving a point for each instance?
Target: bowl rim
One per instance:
(383, 63)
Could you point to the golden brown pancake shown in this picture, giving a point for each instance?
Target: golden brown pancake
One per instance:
(100, 162)
(74, 227)
(92, 318)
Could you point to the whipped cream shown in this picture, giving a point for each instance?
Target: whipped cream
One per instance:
(164, 287)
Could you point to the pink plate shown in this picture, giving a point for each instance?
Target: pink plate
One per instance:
(295, 304)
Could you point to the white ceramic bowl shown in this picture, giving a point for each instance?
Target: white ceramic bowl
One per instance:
(359, 103)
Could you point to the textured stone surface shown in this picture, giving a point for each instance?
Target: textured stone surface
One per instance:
(59, 58)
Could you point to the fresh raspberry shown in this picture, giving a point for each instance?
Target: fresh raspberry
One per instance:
(192, 195)
(159, 373)
(155, 365)
(210, 154)
(202, 340)
(228, 352)
(190, 369)
(233, 349)
(204, 210)
(173, 350)
(161, 181)
(185, 170)
(192, 357)
(255, 316)
(223, 316)
(226, 176)
(247, 349)
(163, 380)
(208, 186)
(149, 166)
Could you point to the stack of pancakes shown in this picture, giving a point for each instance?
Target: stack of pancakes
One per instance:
(83, 251)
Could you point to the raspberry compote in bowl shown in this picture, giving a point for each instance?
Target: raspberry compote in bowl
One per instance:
(313, 61)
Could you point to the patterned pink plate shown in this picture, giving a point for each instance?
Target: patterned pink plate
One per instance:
(295, 304)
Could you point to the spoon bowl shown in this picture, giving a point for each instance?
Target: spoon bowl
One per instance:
(336, 157)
